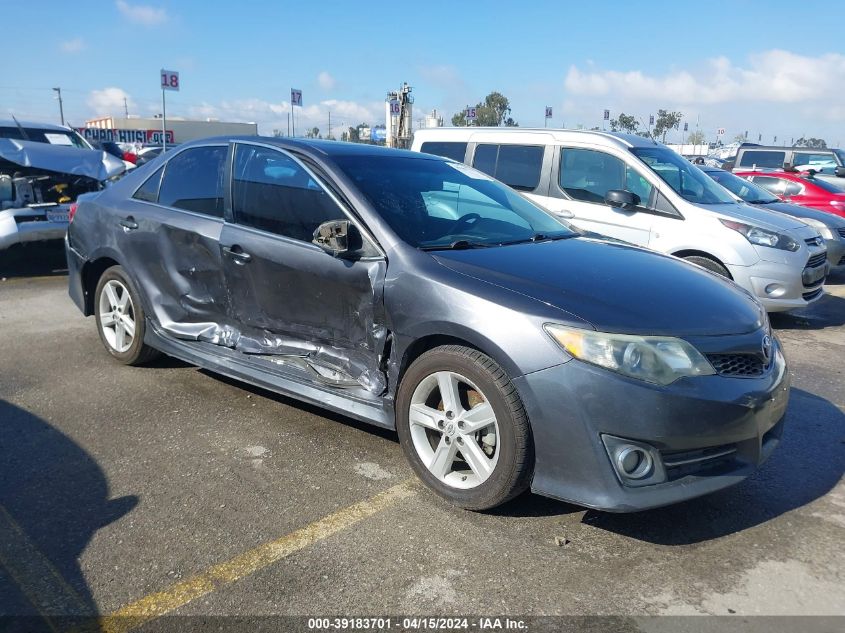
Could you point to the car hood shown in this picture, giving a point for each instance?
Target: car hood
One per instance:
(798, 211)
(757, 216)
(615, 287)
(64, 159)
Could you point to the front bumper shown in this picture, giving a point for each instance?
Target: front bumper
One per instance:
(780, 286)
(573, 405)
(30, 225)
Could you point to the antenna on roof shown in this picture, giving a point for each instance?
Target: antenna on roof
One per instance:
(23, 131)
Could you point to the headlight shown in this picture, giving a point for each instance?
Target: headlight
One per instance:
(824, 230)
(762, 237)
(657, 359)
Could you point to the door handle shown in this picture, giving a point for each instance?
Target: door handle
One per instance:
(565, 214)
(129, 224)
(237, 253)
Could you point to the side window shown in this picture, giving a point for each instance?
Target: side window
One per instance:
(271, 192)
(193, 180)
(455, 151)
(762, 158)
(148, 192)
(791, 188)
(588, 175)
(517, 166)
(485, 158)
(772, 185)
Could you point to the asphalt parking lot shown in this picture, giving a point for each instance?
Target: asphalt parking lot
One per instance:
(166, 490)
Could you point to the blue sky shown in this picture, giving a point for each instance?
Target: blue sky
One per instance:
(771, 68)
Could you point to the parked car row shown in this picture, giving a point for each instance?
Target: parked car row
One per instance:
(507, 348)
(634, 189)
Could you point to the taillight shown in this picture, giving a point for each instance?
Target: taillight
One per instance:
(129, 156)
(71, 212)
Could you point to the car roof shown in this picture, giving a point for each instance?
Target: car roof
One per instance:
(784, 148)
(25, 124)
(483, 134)
(317, 147)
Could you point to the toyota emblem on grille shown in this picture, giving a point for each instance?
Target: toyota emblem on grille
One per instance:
(767, 348)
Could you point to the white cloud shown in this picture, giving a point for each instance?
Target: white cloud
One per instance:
(770, 76)
(142, 13)
(73, 46)
(108, 101)
(326, 81)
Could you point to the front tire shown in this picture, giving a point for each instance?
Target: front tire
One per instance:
(463, 428)
(709, 264)
(120, 318)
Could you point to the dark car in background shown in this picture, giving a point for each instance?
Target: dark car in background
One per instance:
(830, 227)
(506, 348)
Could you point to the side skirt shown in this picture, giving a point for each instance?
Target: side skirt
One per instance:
(285, 379)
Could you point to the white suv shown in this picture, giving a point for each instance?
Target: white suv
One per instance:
(634, 189)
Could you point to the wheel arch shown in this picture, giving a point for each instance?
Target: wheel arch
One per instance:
(92, 270)
(691, 252)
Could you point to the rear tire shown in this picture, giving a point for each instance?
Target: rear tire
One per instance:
(120, 318)
(709, 264)
(463, 428)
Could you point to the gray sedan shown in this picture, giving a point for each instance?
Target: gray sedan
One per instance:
(507, 349)
(830, 227)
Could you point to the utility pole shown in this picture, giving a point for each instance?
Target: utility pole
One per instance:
(125, 108)
(329, 135)
(61, 108)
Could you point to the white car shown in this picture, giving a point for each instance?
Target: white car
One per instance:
(637, 190)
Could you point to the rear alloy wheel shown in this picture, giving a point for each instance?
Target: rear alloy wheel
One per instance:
(120, 318)
(463, 428)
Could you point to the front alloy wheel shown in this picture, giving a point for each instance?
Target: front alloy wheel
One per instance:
(463, 427)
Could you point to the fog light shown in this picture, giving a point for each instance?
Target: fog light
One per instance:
(775, 290)
(633, 462)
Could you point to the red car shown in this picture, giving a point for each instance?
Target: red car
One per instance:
(800, 188)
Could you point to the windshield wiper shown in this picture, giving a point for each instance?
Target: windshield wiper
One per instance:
(540, 237)
(457, 245)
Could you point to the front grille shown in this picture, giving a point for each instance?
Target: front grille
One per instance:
(816, 260)
(813, 294)
(841, 232)
(682, 463)
(737, 365)
(814, 241)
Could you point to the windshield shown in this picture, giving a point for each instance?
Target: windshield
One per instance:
(823, 184)
(38, 135)
(840, 154)
(687, 180)
(742, 188)
(433, 203)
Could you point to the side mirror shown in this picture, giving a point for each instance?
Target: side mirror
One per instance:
(622, 199)
(839, 172)
(787, 166)
(333, 236)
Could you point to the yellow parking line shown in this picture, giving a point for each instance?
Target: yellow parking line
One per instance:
(35, 575)
(158, 604)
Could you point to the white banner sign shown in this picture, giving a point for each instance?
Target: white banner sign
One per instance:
(169, 79)
(295, 97)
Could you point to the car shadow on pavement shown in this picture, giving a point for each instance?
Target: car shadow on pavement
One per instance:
(53, 498)
(827, 312)
(38, 259)
(809, 462)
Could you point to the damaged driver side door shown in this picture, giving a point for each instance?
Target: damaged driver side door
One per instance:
(288, 297)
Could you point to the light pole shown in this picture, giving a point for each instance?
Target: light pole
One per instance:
(61, 109)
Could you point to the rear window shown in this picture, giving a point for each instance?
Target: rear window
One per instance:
(455, 151)
(762, 158)
(517, 166)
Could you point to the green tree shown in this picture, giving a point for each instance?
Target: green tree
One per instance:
(665, 121)
(816, 143)
(313, 132)
(277, 133)
(696, 138)
(625, 123)
(493, 112)
(352, 135)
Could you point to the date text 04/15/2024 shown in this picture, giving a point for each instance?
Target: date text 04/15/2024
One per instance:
(415, 623)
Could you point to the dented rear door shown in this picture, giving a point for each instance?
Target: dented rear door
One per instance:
(288, 297)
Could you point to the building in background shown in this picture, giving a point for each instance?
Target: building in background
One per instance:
(134, 129)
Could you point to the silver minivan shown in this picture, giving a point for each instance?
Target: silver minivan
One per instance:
(634, 189)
